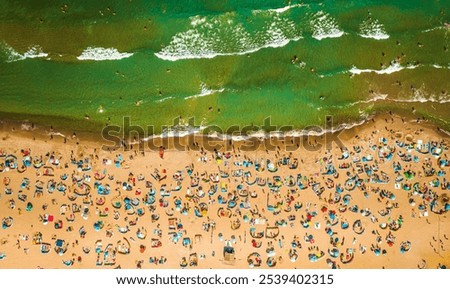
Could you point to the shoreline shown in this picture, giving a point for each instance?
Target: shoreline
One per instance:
(31, 130)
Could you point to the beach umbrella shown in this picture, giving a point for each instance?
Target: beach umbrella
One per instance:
(11, 162)
(347, 257)
(344, 225)
(183, 262)
(409, 174)
(98, 225)
(27, 162)
(7, 222)
(334, 252)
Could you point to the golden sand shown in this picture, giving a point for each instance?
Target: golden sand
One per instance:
(283, 226)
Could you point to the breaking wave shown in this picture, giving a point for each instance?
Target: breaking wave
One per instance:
(100, 54)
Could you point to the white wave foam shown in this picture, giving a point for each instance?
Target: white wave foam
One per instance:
(280, 32)
(225, 35)
(433, 29)
(444, 131)
(35, 52)
(279, 10)
(56, 133)
(100, 54)
(163, 99)
(325, 26)
(181, 131)
(372, 28)
(197, 20)
(318, 131)
(441, 67)
(259, 134)
(343, 126)
(185, 130)
(419, 96)
(238, 138)
(285, 8)
(12, 55)
(375, 98)
(394, 67)
(204, 91)
(27, 126)
(299, 133)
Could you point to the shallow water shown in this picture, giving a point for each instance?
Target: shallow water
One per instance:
(233, 63)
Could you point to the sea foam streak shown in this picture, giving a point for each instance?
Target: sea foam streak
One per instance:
(100, 54)
(394, 67)
(375, 98)
(421, 96)
(163, 99)
(279, 10)
(441, 67)
(434, 29)
(225, 35)
(12, 55)
(324, 26)
(179, 131)
(204, 91)
(372, 28)
(293, 133)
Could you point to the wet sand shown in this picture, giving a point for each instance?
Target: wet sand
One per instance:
(387, 213)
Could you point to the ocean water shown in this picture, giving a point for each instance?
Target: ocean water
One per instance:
(80, 66)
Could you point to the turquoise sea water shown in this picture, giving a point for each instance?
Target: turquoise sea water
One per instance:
(82, 65)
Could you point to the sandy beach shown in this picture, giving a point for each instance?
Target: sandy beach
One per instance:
(379, 201)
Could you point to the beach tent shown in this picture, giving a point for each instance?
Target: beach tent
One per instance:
(314, 257)
(347, 257)
(37, 238)
(228, 255)
(358, 227)
(235, 224)
(271, 262)
(45, 248)
(193, 259)
(27, 161)
(123, 246)
(60, 246)
(141, 233)
(254, 260)
(48, 171)
(11, 162)
(7, 222)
